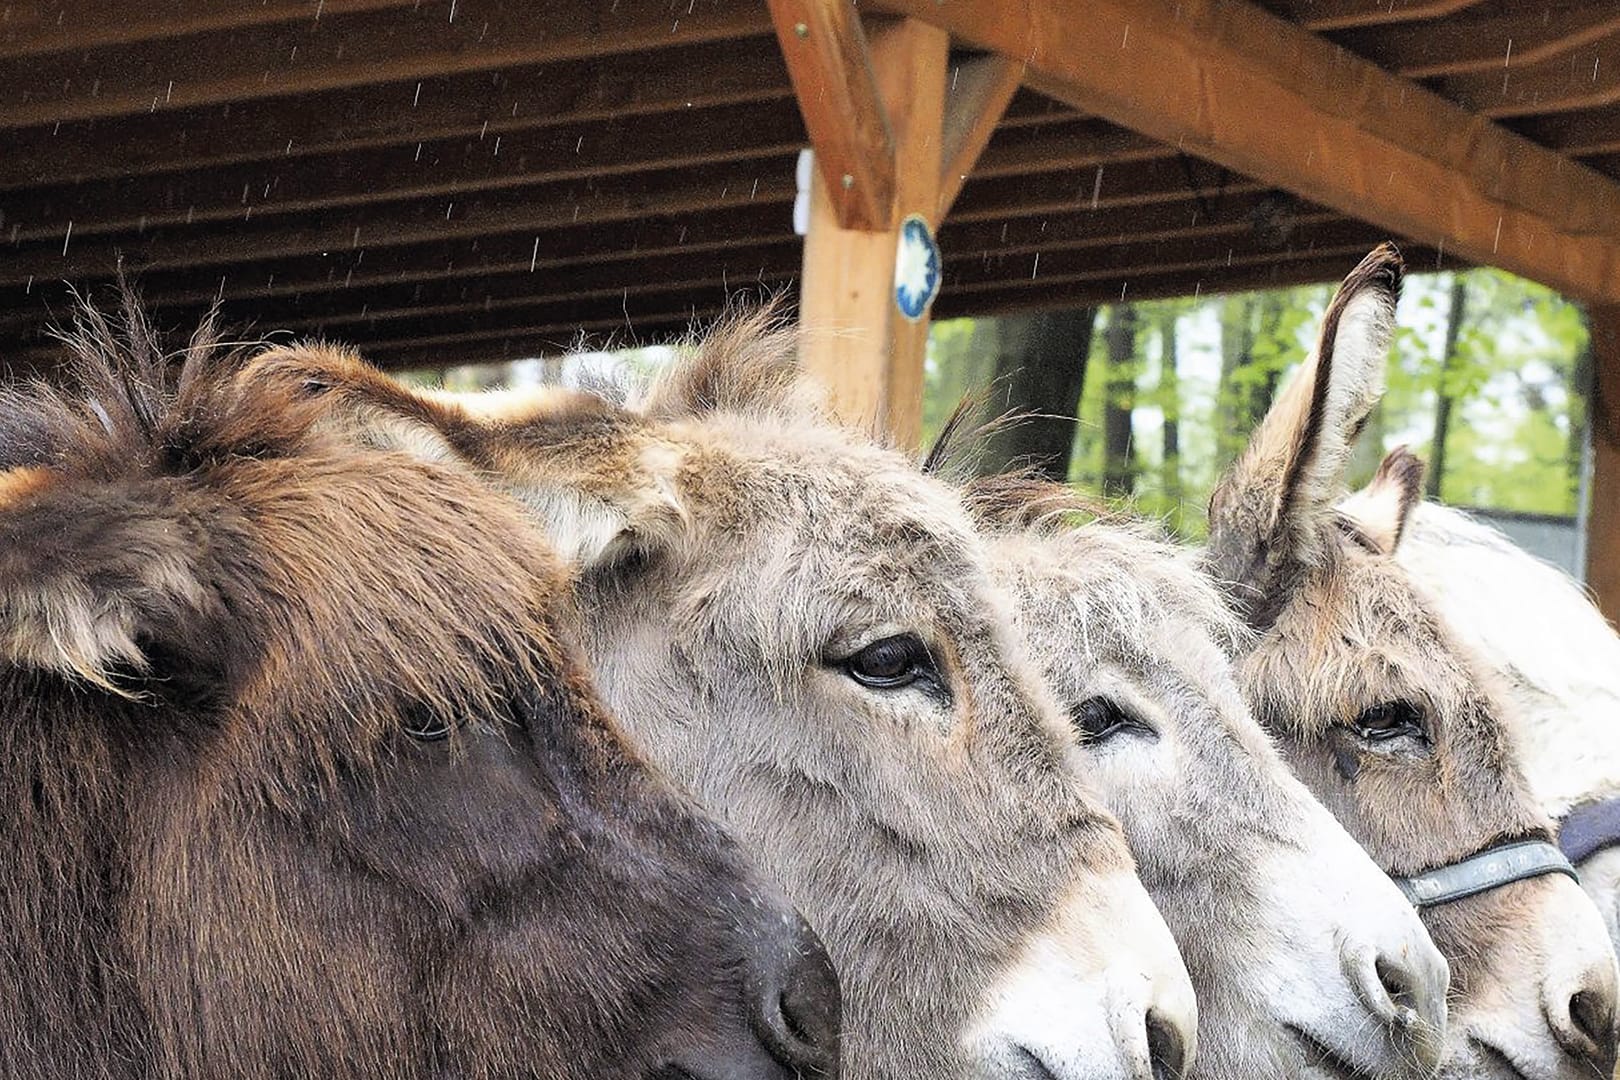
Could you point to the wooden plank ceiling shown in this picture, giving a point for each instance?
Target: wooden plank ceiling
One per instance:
(442, 181)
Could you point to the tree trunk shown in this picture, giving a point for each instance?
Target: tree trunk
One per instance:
(1237, 342)
(1442, 398)
(1581, 385)
(1040, 372)
(1119, 468)
(1271, 308)
(1170, 402)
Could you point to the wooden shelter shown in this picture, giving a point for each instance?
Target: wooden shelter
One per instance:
(440, 181)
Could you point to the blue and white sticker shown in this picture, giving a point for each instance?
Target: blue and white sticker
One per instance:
(916, 268)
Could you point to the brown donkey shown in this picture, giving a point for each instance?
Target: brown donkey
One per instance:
(1392, 723)
(801, 627)
(301, 781)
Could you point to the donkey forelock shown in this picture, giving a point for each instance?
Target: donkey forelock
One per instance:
(128, 412)
(1129, 574)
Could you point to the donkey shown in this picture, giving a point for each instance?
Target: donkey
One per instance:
(302, 780)
(800, 626)
(1299, 947)
(1392, 723)
(1559, 659)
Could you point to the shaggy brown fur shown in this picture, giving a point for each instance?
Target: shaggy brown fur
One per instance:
(224, 854)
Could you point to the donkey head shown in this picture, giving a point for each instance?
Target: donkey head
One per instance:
(802, 629)
(301, 779)
(1300, 948)
(1385, 716)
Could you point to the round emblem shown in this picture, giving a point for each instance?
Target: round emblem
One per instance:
(916, 268)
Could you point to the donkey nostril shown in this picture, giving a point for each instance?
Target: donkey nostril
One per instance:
(1165, 1049)
(797, 1010)
(1398, 983)
(1592, 1017)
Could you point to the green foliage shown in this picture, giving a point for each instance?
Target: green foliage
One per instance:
(1515, 382)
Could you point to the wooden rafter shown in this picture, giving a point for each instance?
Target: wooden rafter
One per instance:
(464, 169)
(400, 45)
(543, 228)
(832, 75)
(405, 280)
(977, 97)
(450, 169)
(438, 275)
(1273, 101)
(593, 90)
(490, 302)
(1577, 133)
(1556, 79)
(57, 25)
(1340, 14)
(539, 208)
(1488, 42)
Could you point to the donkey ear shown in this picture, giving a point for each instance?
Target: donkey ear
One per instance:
(585, 467)
(1378, 512)
(1266, 513)
(90, 572)
(748, 363)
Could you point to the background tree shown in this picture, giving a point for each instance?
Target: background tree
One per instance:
(1170, 402)
(1119, 448)
(1040, 372)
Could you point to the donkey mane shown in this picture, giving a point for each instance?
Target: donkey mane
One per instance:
(746, 364)
(1129, 572)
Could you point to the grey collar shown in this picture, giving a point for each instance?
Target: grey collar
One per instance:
(1490, 869)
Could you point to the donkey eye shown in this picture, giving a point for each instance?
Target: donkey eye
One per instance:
(424, 726)
(891, 663)
(1390, 720)
(1099, 718)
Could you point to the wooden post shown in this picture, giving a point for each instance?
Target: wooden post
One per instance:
(856, 339)
(1603, 517)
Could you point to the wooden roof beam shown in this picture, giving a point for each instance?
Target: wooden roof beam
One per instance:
(439, 273)
(1144, 270)
(398, 45)
(605, 261)
(1487, 42)
(340, 250)
(1341, 14)
(1548, 81)
(1275, 102)
(591, 90)
(540, 208)
(832, 76)
(457, 169)
(976, 99)
(60, 25)
(461, 169)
